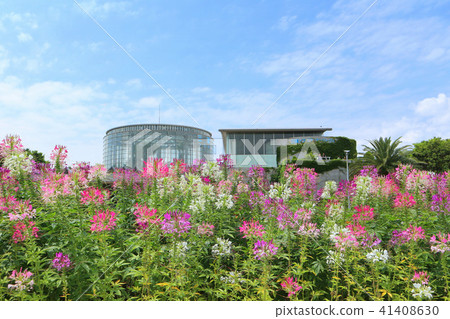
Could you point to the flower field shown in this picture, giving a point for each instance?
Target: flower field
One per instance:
(210, 232)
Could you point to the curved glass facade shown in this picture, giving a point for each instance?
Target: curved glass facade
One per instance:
(131, 145)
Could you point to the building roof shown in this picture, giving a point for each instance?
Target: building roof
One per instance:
(273, 130)
(157, 126)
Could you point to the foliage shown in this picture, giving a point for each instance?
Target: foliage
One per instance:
(435, 153)
(38, 157)
(333, 149)
(384, 154)
(318, 168)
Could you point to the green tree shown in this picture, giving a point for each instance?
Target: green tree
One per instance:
(385, 155)
(435, 153)
(37, 156)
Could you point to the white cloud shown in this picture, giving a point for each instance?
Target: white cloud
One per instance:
(49, 113)
(103, 8)
(285, 23)
(199, 90)
(24, 37)
(433, 106)
(149, 102)
(4, 60)
(134, 83)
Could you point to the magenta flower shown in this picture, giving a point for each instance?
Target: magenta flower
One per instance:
(61, 262)
(103, 220)
(205, 229)
(264, 250)
(22, 210)
(94, 196)
(58, 156)
(145, 216)
(11, 144)
(440, 244)
(252, 229)
(404, 200)
(421, 277)
(176, 222)
(155, 168)
(22, 280)
(291, 286)
(8, 203)
(365, 213)
(24, 230)
(411, 233)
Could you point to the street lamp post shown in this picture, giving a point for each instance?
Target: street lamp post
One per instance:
(346, 164)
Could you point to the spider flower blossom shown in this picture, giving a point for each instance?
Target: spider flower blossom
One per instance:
(222, 248)
(411, 233)
(97, 172)
(103, 220)
(155, 168)
(176, 222)
(441, 244)
(441, 202)
(263, 250)
(22, 210)
(421, 277)
(11, 144)
(422, 291)
(22, 280)
(404, 200)
(205, 229)
(24, 230)
(291, 286)
(58, 156)
(377, 255)
(94, 196)
(9, 203)
(61, 262)
(365, 213)
(252, 229)
(145, 216)
(309, 229)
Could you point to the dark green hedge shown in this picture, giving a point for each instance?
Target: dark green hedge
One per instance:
(328, 166)
(334, 150)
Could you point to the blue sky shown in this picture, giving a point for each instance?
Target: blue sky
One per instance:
(64, 81)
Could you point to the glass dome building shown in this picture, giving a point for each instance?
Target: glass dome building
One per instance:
(129, 146)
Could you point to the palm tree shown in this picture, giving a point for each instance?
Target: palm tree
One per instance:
(385, 155)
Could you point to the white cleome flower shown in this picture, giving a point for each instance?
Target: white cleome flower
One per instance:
(422, 291)
(222, 248)
(377, 255)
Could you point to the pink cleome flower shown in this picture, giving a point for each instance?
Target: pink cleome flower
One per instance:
(22, 280)
(263, 250)
(205, 229)
(176, 222)
(94, 196)
(252, 229)
(404, 200)
(11, 144)
(365, 213)
(145, 216)
(441, 244)
(61, 262)
(103, 220)
(411, 233)
(59, 155)
(421, 277)
(24, 230)
(291, 286)
(22, 210)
